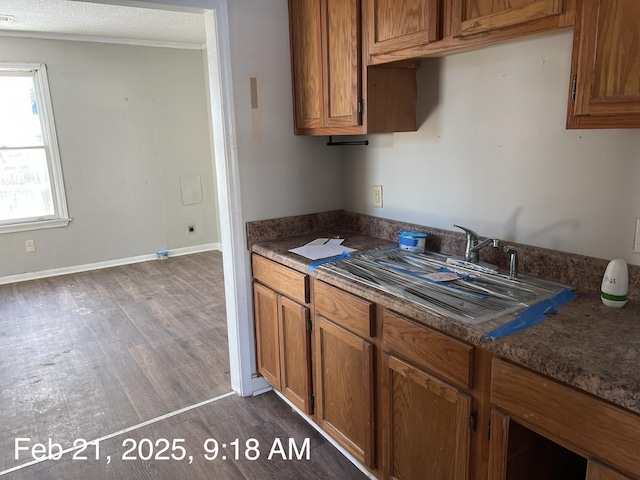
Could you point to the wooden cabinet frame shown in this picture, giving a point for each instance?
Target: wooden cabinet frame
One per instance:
(599, 471)
(583, 424)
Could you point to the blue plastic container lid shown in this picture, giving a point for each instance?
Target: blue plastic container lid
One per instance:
(409, 233)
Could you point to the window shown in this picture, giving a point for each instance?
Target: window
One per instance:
(31, 187)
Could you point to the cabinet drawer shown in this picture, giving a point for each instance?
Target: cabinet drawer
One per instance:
(589, 426)
(427, 349)
(284, 280)
(348, 311)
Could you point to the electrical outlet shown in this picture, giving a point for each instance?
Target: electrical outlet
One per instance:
(377, 196)
(191, 229)
(30, 245)
(636, 245)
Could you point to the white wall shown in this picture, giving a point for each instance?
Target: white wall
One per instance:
(493, 154)
(280, 174)
(130, 121)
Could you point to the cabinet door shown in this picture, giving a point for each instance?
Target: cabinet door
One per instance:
(606, 65)
(477, 16)
(425, 425)
(265, 304)
(345, 389)
(397, 24)
(295, 353)
(306, 62)
(598, 471)
(342, 85)
(326, 63)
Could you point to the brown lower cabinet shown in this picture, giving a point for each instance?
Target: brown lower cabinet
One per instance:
(425, 424)
(344, 370)
(411, 403)
(541, 428)
(519, 453)
(282, 327)
(344, 389)
(284, 345)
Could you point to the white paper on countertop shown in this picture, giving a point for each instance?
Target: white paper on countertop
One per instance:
(322, 248)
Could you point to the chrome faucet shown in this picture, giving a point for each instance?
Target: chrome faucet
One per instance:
(472, 248)
(513, 260)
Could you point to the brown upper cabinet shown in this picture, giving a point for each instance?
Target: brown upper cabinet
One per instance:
(326, 62)
(409, 29)
(333, 91)
(477, 16)
(397, 24)
(605, 80)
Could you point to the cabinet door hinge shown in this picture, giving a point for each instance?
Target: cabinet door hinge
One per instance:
(489, 431)
(309, 325)
(361, 107)
(312, 400)
(473, 421)
(574, 83)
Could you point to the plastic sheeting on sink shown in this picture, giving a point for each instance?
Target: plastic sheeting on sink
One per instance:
(468, 296)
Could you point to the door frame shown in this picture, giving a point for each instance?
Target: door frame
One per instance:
(236, 266)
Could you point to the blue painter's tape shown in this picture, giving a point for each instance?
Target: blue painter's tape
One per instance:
(322, 261)
(534, 314)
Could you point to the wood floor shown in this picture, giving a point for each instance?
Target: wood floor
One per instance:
(86, 356)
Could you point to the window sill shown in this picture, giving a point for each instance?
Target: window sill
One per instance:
(38, 225)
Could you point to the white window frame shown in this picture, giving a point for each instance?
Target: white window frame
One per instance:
(60, 217)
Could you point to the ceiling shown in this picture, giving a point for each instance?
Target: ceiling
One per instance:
(101, 21)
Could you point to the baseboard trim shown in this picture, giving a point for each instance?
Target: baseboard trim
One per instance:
(54, 272)
(260, 386)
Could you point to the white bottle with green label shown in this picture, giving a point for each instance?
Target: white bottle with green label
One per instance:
(615, 284)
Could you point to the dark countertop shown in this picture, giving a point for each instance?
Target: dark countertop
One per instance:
(586, 345)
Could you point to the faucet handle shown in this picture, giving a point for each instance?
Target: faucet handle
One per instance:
(472, 241)
(470, 233)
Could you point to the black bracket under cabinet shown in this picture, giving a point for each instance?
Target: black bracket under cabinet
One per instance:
(331, 143)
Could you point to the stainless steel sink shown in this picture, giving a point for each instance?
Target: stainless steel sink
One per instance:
(427, 279)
